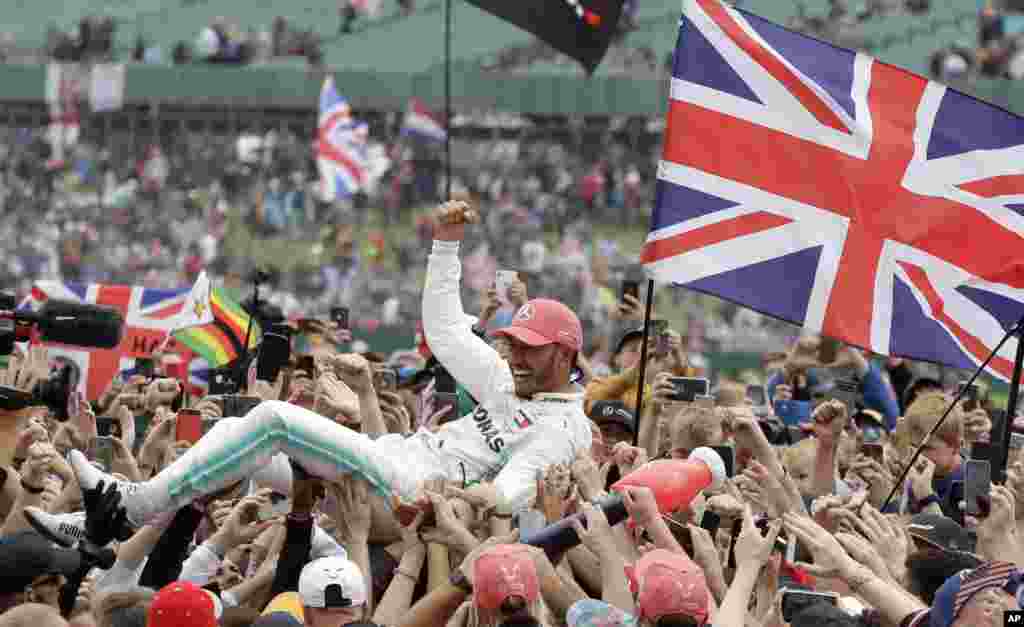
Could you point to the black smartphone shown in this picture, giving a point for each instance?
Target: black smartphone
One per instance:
(222, 381)
(796, 601)
(796, 434)
(977, 487)
(104, 446)
(970, 397)
(688, 388)
(275, 352)
(340, 316)
(728, 455)
(307, 364)
(105, 426)
(234, 405)
(710, 522)
(631, 288)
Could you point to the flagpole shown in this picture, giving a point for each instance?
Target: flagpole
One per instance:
(1003, 445)
(447, 99)
(998, 469)
(643, 361)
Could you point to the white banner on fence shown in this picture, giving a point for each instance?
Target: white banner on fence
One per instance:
(106, 89)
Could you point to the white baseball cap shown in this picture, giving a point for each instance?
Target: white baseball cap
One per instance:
(331, 582)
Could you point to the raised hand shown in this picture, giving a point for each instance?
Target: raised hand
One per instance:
(354, 370)
(449, 530)
(590, 478)
(830, 558)
(335, 400)
(977, 426)
(354, 513)
(451, 219)
(598, 535)
(161, 392)
(242, 525)
(555, 492)
(830, 419)
(751, 546)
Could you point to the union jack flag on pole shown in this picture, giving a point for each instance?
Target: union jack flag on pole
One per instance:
(149, 314)
(820, 186)
(341, 151)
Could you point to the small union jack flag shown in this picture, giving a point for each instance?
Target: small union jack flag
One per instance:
(341, 151)
(820, 186)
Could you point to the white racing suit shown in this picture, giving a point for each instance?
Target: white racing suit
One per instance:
(506, 439)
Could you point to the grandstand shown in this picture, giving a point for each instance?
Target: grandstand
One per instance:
(387, 60)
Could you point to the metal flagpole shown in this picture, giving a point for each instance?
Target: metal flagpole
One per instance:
(643, 361)
(447, 99)
(1003, 443)
(999, 469)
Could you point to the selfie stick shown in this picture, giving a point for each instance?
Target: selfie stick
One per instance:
(1000, 440)
(643, 361)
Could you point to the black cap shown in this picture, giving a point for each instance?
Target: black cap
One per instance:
(28, 556)
(941, 532)
(613, 412)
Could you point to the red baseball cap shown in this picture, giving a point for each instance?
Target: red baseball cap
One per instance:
(502, 572)
(670, 583)
(182, 604)
(542, 321)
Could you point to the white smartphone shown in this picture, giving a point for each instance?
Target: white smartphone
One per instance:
(503, 279)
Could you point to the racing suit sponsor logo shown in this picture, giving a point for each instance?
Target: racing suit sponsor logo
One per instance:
(487, 429)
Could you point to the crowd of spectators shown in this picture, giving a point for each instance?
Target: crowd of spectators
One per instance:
(157, 214)
(795, 531)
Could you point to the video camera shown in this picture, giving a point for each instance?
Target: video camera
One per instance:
(58, 321)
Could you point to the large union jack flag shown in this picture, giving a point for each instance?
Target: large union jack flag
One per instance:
(149, 315)
(823, 187)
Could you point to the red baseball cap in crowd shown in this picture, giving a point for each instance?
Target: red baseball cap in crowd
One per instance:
(182, 604)
(669, 583)
(542, 321)
(502, 572)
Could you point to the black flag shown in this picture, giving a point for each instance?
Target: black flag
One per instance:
(581, 29)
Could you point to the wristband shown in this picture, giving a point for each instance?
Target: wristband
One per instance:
(30, 488)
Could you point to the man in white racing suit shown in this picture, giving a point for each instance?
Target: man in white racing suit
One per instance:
(529, 415)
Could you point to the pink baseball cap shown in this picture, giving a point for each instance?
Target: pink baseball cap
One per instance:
(542, 321)
(670, 583)
(502, 572)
